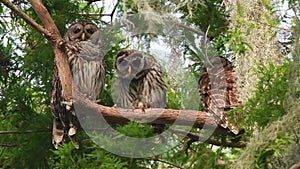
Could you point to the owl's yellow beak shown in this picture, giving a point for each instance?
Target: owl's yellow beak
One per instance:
(83, 37)
(129, 70)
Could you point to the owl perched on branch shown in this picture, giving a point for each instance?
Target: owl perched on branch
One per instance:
(217, 89)
(141, 83)
(85, 58)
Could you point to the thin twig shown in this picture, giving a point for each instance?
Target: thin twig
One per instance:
(190, 29)
(296, 15)
(91, 1)
(194, 137)
(24, 132)
(114, 10)
(26, 18)
(166, 162)
(8, 145)
(89, 14)
(94, 14)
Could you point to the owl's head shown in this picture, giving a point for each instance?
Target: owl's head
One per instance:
(131, 64)
(80, 31)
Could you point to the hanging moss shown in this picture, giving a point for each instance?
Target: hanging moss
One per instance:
(277, 146)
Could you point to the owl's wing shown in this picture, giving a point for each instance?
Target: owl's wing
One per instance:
(154, 82)
(123, 96)
(217, 90)
(157, 89)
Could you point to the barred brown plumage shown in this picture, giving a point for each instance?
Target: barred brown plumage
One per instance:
(217, 89)
(85, 59)
(141, 81)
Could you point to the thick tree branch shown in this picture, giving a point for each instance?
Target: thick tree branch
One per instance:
(296, 166)
(56, 40)
(191, 29)
(114, 115)
(46, 19)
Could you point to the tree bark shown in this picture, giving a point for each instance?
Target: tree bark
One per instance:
(56, 41)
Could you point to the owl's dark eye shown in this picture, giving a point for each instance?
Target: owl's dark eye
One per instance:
(136, 62)
(123, 62)
(77, 30)
(90, 31)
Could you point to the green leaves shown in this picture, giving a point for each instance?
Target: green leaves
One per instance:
(266, 155)
(70, 157)
(268, 102)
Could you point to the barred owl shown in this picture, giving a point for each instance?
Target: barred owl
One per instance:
(85, 59)
(141, 81)
(217, 89)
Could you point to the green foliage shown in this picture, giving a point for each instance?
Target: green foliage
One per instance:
(69, 157)
(134, 129)
(268, 103)
(266, 155)
(208, 16)
(113, 38)
(27, 143)
(181, 91)
(173, 99)
(235, 38)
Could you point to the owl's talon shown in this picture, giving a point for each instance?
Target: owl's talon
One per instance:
(140, 105)
(61, 44)
(98, 101)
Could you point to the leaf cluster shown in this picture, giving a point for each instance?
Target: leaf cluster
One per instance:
(268, 103)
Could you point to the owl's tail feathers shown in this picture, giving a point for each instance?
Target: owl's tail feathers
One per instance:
(223, 122)
(57, 133)
(72, 127)
(233, 129)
